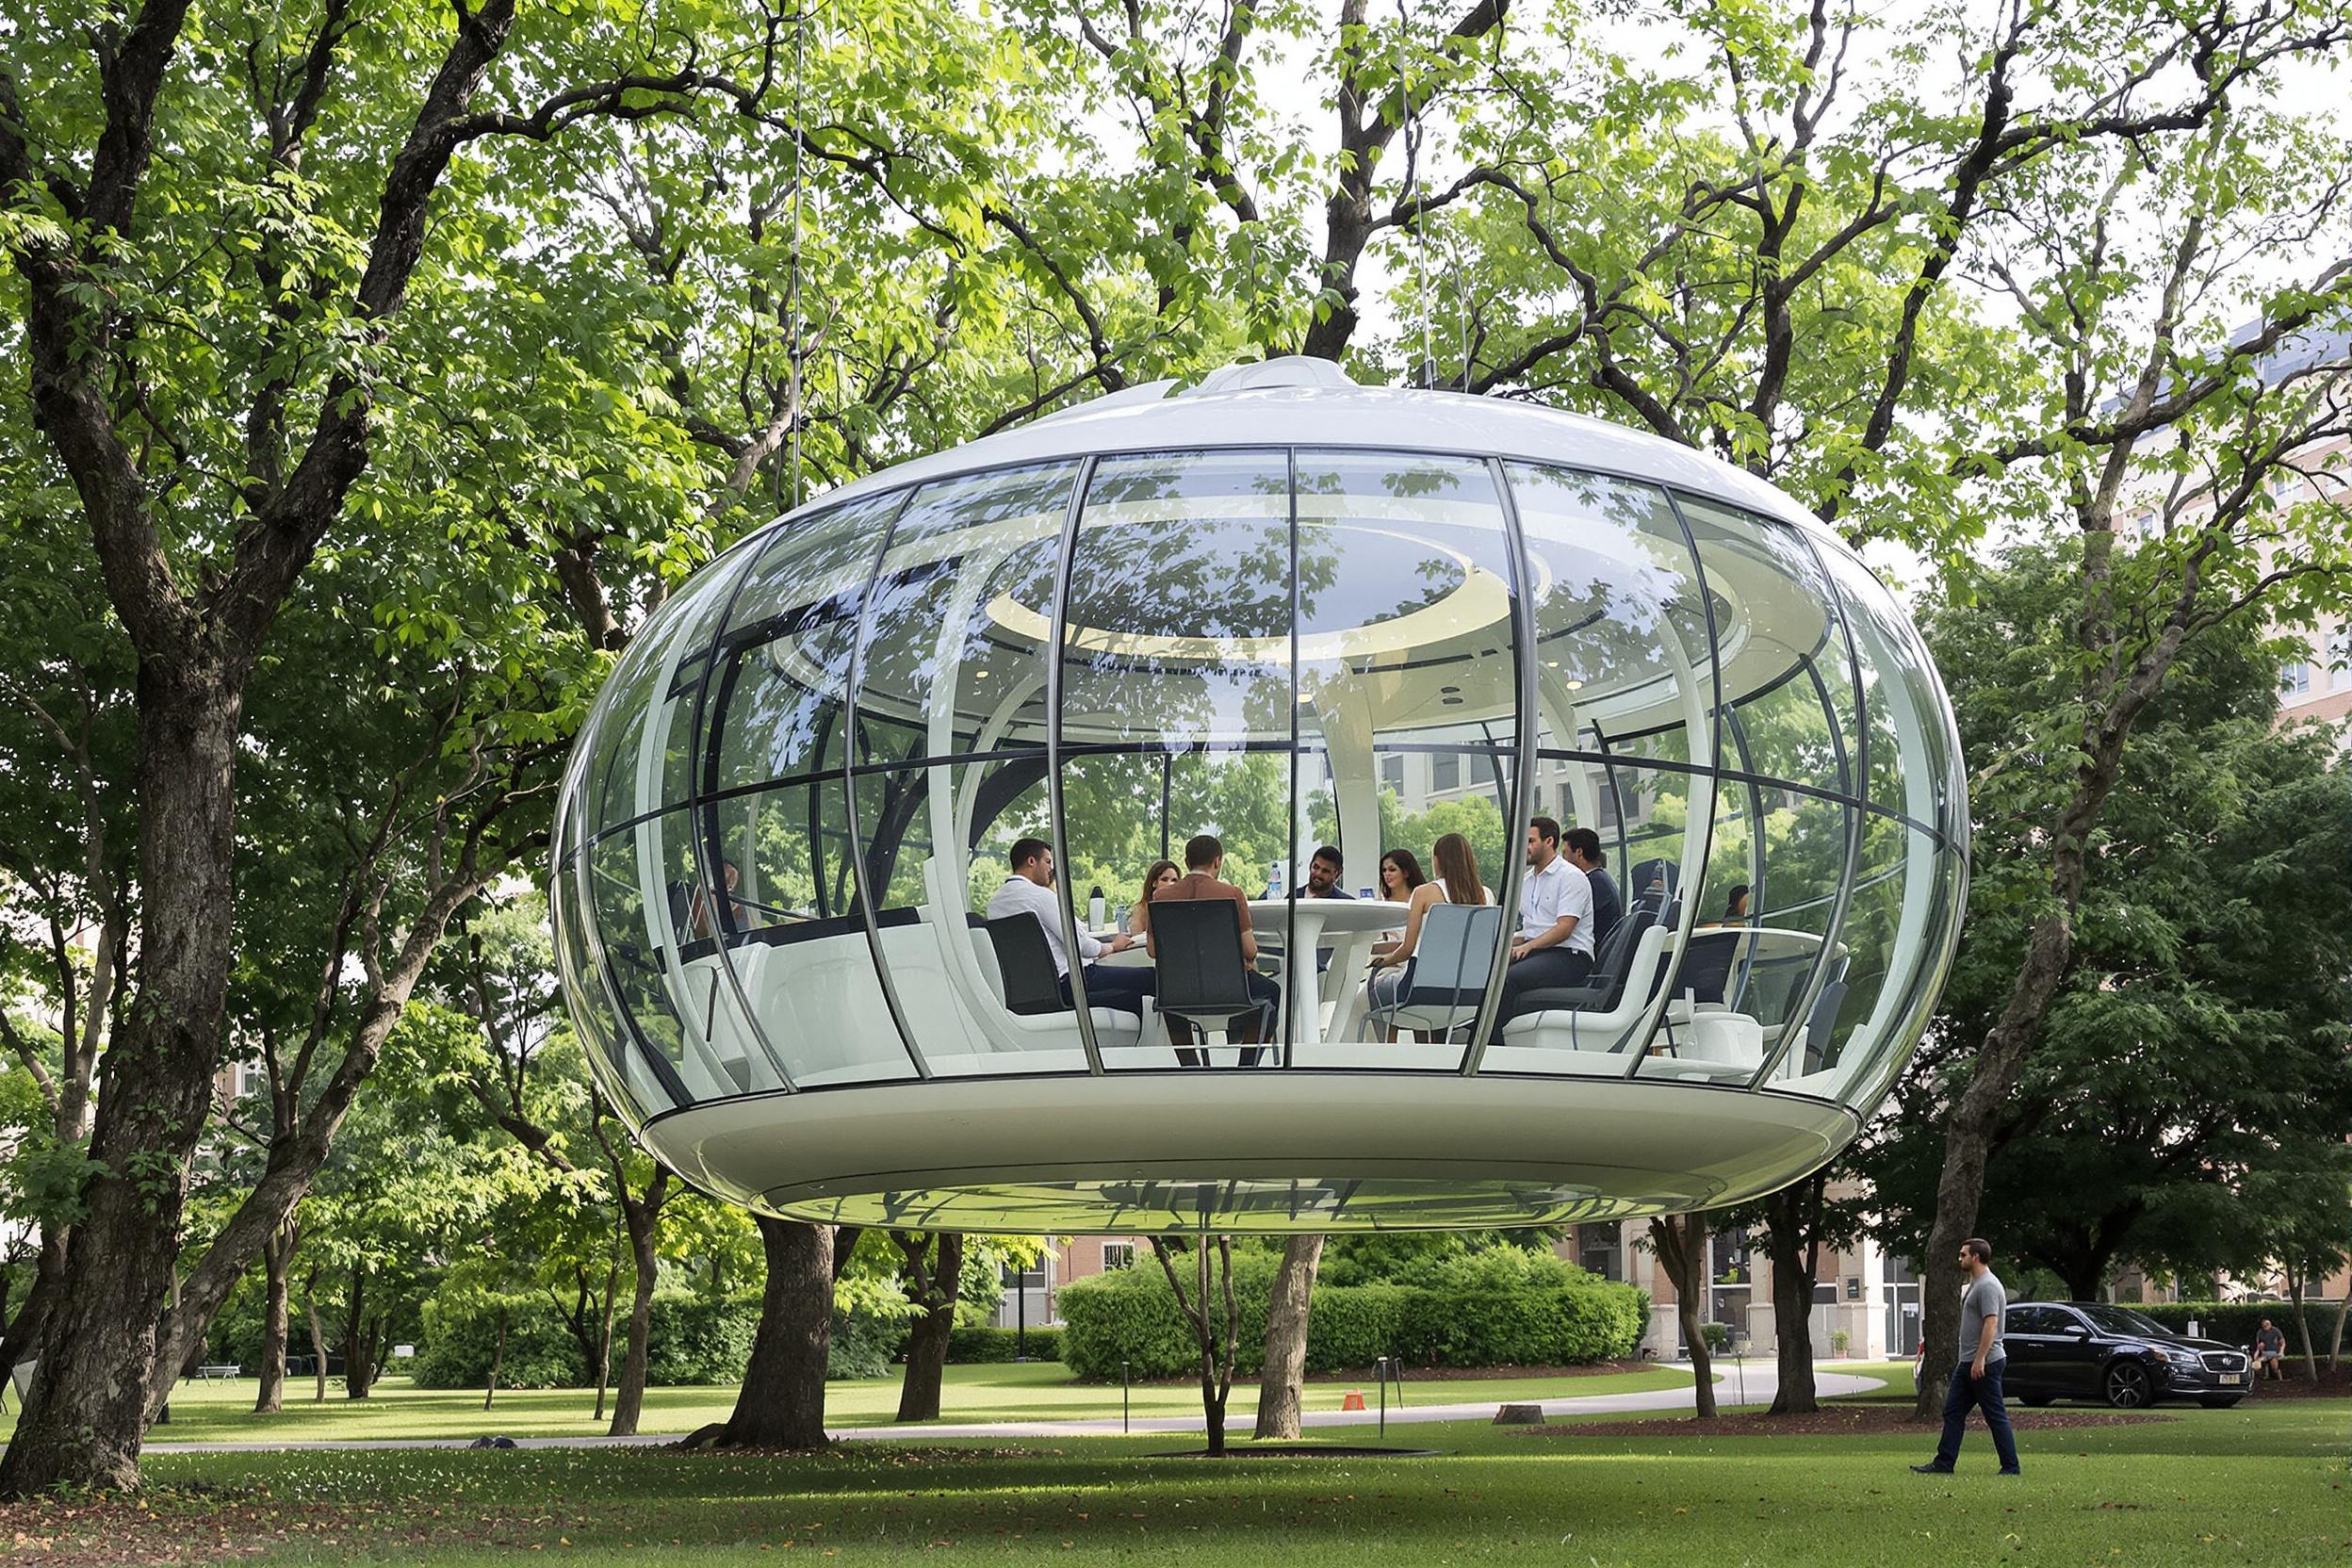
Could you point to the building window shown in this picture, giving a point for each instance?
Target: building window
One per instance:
(1118, 1254)
(1393, 774)
(2297, 680)
(1601, 1250)
(1446, 771)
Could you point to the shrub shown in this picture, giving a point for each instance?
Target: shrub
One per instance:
(1477, 1309)
(986, 1343)
(462, 1335)
(1718, 1337)
(695, 1338)
(863, 1345)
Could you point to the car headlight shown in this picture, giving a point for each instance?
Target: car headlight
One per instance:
(2181, 1358)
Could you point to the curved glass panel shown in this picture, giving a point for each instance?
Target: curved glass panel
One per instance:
(1176, 672)
(775, 811)
(1778, 866)
(951, 673)
(1625, 739)
(1914, 876)
(1408, 663)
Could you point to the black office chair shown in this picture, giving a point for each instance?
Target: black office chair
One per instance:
(1026, 965)
(1818, 1027)
(1607, 987)
(1707, 966)
(1203, 980)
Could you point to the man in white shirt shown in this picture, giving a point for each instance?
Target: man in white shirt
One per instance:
(1030, 891)
(1554, 945)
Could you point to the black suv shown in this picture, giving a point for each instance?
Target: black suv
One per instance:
(2091, 1351)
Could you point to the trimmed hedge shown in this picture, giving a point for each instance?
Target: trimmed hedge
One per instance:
(987, 1343)
(1545, 1313)
(690, 1339)
(2235, 1322)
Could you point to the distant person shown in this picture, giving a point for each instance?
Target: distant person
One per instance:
(1583, 848)
(703, 917)
(1029, 892)
(1976, 1378)
(1554, 946)
(1734, 908)
(1162, 875)
(2270, 1352)
(1204, 856)
(1457, 882)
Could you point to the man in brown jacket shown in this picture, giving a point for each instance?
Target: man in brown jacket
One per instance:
(1204, 856)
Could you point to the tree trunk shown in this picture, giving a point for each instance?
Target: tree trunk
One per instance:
(317, 1338)
(1680, 1241)
(89, 1405)
(604, 1338)
(1792, 1239)
(498, 1358)
(356, 1374)
(644, 1216)
(2335, 1340)
(920, 1392)
(781, 1403)
(277, 1259)
(628, 1399)
(1281, 1378)
(1216, 1355)
(2083, 1276)
(21, 1339)
(2302, 1324)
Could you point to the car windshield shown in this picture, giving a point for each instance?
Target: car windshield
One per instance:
(2114, 1320)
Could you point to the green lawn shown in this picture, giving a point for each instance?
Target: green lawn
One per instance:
(221, 1411)
(2264, 1484)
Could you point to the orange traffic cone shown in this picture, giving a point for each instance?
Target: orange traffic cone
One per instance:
(1354, 1399)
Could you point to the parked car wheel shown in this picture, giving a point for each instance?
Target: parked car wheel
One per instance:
(2222, 1404)
(2129, 1386)
(2037, 1400)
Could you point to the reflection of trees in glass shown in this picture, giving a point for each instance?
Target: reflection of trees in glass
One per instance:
(1620, 586)
(1476, 818)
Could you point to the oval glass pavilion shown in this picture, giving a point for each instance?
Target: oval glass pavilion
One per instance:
(1293, 612)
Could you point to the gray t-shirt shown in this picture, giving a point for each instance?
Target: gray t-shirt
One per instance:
(1983, 1299)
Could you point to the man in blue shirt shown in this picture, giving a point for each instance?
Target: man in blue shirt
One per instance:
(1582, 846)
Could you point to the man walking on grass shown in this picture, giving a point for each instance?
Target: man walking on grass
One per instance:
(1976, 1380)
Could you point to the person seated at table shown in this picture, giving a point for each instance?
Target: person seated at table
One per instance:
(702, 916)
(1554, 945)
(1204, 856)
(1029, 892)
(1400, 873)
(1734, 908)
(1457, 883)
(1323, 874)
(1162, 874)
(1583, 848)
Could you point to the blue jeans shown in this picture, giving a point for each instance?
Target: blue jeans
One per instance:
(1983, 1393)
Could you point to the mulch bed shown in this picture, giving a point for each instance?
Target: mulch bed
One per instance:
(1837, 1421)
(2331, 1385)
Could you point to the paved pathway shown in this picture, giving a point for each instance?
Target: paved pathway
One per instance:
(1757, 1381)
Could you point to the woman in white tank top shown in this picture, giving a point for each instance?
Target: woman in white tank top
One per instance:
(1458, 868)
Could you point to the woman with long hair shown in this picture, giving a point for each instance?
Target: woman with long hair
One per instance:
(1163, 874)
(1401, 874)
(1457, 882)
